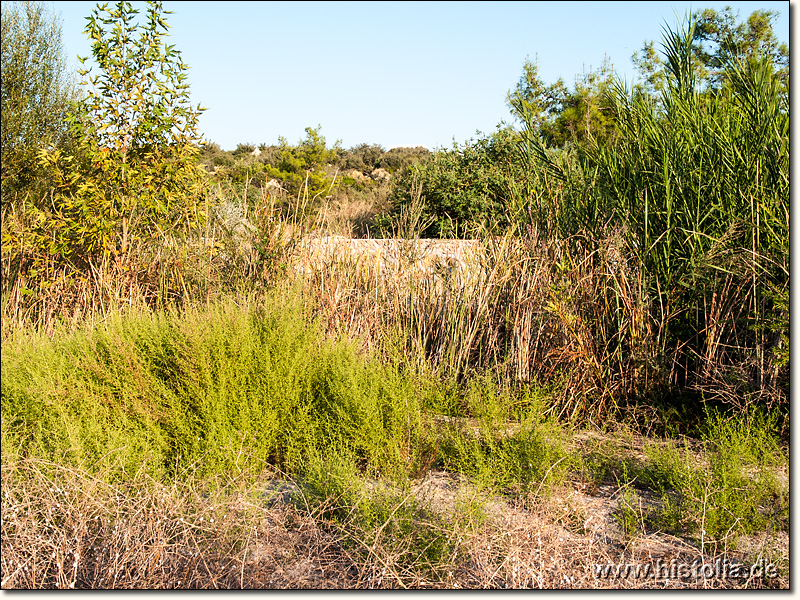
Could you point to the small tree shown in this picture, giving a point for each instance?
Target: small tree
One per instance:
(37, 92)
(719, 40)
(302, 167)
(560, 114)
(136, 179)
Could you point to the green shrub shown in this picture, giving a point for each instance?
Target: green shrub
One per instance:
(397, 159)
(523, 454)
(190, 390)
(466, 189)
(376, 517)
(302, 168)
(364, 157)
(732, 490)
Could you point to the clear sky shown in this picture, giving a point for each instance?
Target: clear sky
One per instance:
(390, 73)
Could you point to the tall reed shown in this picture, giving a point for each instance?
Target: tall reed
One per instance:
(696, 184)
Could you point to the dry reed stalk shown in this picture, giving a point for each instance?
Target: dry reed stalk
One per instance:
(513, 308)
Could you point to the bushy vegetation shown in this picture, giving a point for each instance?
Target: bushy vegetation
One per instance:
(188, 391)
(163, 338)
(469, 189)
(682, 197)
(725, 495)
(307, 177)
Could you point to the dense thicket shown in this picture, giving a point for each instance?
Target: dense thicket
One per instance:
(681, 191)
(661, 212)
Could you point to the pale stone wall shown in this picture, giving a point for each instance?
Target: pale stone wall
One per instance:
(461, 259)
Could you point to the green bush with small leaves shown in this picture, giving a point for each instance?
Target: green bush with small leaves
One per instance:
(468, 188)
(134, 180)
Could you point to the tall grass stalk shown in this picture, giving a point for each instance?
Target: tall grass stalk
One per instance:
(696, 185)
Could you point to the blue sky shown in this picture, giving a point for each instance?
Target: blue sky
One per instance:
(390, 73)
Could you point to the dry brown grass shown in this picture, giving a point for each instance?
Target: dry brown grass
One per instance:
(532, 309)
(67, 529)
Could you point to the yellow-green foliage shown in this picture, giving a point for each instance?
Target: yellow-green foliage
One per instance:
(133, 181)
(508, 443)
(733, 489)
(169, 392)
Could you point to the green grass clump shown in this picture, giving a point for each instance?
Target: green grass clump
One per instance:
(208, 390)
(506, 443)
(382, 522)
(731, 489)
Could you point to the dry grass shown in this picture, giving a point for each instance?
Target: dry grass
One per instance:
(532, 309)
(67, 529)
